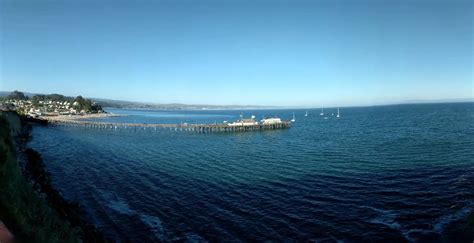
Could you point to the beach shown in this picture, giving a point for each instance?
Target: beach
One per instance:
(68, 118)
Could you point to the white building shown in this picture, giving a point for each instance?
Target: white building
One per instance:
(244, 122)
(267, 121)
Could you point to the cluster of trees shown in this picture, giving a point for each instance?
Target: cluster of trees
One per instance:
(79, 103)
(53, 97)
(86, 104)
(17, 95)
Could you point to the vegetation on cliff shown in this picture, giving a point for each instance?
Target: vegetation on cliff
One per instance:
(36, 172)
(21, 208)
(29, 205)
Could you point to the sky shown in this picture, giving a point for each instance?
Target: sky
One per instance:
(259, 52)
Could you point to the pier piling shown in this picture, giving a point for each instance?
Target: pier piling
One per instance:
(197, 128)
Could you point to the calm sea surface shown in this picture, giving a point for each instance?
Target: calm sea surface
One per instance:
(376, 173)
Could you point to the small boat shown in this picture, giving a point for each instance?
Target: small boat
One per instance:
(294, 119)
(253, 117)
(306, 114)
(325, 118)
(337, 112)
(322, 112)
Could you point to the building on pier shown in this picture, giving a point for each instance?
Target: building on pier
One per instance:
(244, 122)
(268, 121)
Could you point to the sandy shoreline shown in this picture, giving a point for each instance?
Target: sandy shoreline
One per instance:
(78, 117)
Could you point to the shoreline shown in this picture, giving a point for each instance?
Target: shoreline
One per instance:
(66, 118)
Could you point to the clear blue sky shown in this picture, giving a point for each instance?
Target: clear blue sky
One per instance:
(303, 53)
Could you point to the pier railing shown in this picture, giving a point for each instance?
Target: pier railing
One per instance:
(199, 128)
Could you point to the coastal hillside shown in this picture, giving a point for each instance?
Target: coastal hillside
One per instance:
(53, 104)
(22, 210)
(174, 106)
(96, 104)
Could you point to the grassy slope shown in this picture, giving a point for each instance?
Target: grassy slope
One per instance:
(21, 208)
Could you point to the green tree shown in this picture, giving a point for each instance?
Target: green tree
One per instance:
(57, 97)
(17, 95)
(36, 99)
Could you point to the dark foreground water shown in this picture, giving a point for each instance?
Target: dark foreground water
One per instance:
(377, 173)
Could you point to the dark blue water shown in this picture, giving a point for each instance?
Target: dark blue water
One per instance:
(376, 173)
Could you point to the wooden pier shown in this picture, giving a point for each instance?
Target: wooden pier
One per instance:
(199, 128)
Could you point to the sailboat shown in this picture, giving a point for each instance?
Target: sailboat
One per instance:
(294, 119)
(322, 112)
(337, 112)
(253, 117)
(306, 114)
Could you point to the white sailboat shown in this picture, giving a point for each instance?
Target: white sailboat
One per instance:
(294, 119)
(306, 114)
(322, 112)
(337, 112)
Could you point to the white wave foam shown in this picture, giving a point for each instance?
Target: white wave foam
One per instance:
(387, 221)
(440, 224)
(190, 238)
(335, 239)
(155, 225)
(443, 221)
(121, 207)
(407, 233)
(385, 217)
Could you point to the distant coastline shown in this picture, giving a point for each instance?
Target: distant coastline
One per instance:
(135, 105)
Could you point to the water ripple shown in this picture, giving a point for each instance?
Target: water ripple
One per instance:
(395, 173)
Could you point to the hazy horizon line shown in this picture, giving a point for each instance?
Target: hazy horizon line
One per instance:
(259, 106)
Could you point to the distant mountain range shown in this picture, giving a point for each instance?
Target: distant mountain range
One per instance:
(154, 106)
(173, 106)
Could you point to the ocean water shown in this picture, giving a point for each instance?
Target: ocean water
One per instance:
(396, 173)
